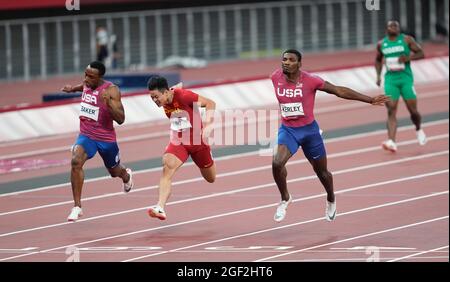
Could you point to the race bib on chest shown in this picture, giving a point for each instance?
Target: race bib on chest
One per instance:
(292, 110)
(392, 64)
(179, 124)
(89, 111)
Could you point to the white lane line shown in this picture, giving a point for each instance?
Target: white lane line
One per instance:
(377, 184)
(239, 212)
(220, 175)
(354, 259)
(346, 153)
(356, 248)
(239, 155)
(357, 237)
(68, 147)
(418, 254)
(358, 168)
(147, 250)
(305, 222)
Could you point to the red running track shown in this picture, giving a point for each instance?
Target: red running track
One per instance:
(391, 207)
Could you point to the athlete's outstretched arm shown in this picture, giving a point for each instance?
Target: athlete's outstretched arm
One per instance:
(69, 88)
(350, 94)
(114, 103)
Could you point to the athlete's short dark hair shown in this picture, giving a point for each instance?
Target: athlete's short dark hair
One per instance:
(99, 66)
(296, 52)
(157, 82)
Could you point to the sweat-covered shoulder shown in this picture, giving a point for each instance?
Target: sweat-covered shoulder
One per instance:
(412, 43)
(113, 91)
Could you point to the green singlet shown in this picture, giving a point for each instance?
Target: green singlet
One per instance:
(398, 80)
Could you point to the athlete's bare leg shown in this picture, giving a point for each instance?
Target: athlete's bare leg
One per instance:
(170, 165)
(325, 177)
(392, 119)
(280, 158)
(209, 174)
(79, 157)
(415, 115)
(119, 171)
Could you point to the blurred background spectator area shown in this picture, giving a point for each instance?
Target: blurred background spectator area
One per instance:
(34, 44)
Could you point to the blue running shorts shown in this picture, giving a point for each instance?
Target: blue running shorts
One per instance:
(109, 151)
(308, 137)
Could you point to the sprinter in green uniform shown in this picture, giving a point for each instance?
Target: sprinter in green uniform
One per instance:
(396, 49)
